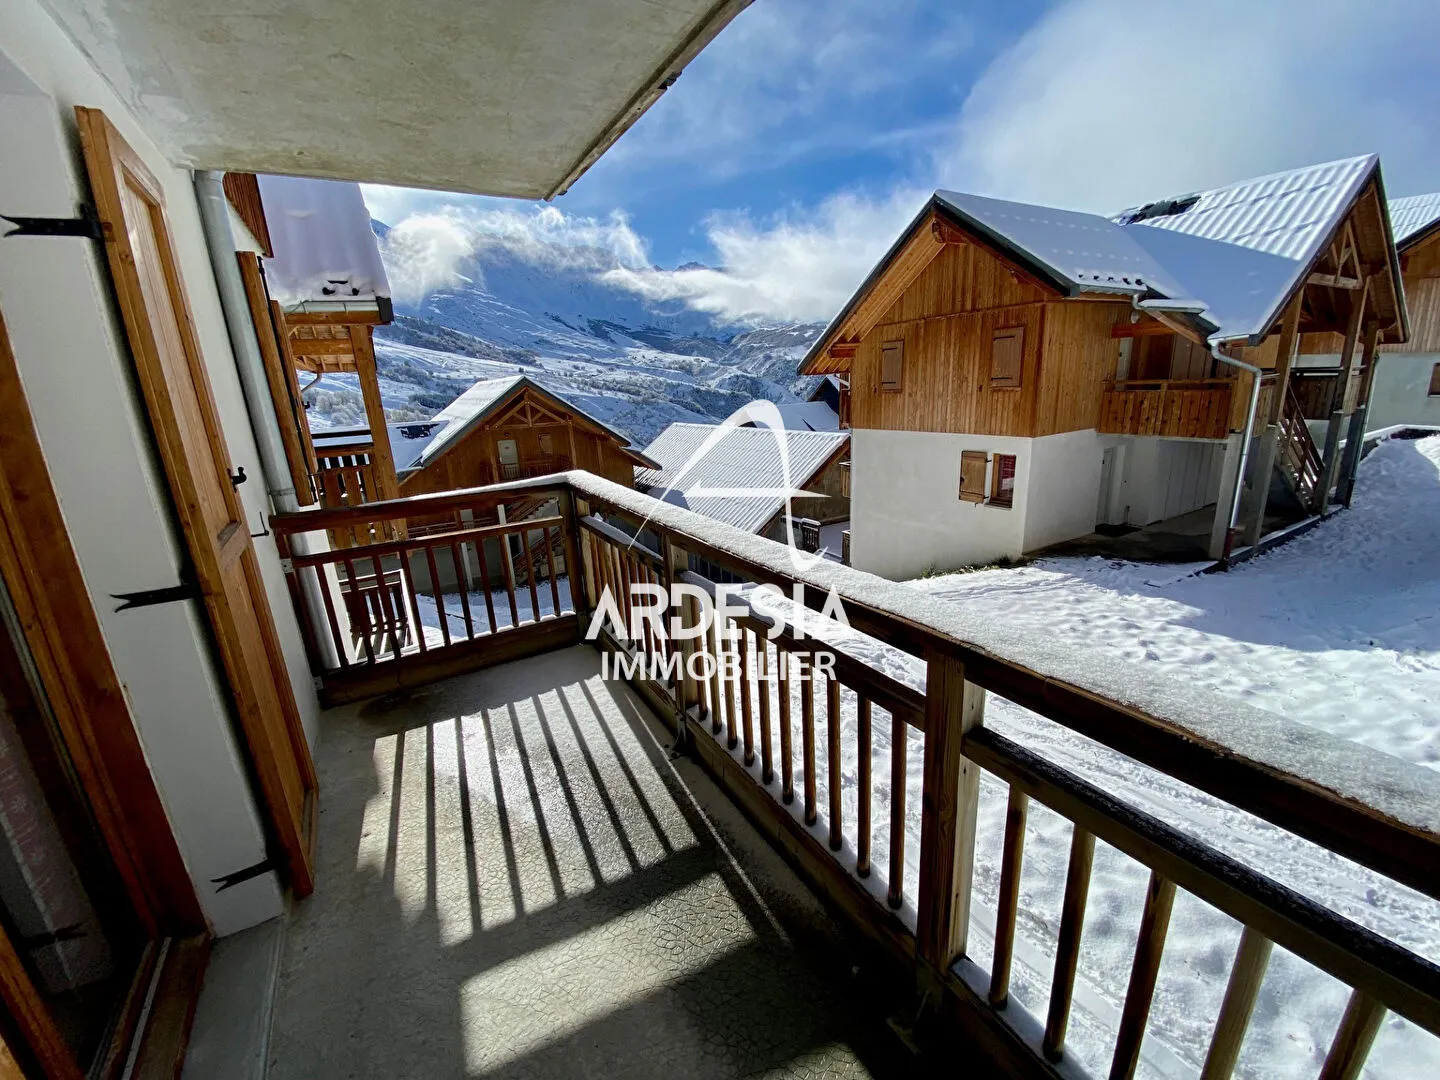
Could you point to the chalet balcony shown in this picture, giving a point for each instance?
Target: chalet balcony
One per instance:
(533, 867)
(1177, 409)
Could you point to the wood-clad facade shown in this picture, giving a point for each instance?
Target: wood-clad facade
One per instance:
(527, 433)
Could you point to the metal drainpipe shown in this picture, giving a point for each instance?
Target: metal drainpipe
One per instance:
(1256, 374)
(215, 221)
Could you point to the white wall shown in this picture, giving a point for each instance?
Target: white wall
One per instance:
(56, 300)
(1401, 391)
(907, 517)
(1164, 478)
(1064, 487)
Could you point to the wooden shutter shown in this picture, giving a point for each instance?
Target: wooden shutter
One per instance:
(892, 365)
(1002, 484)
(176, 388)
(972, 475)
(1007, 353)
(1434, 380)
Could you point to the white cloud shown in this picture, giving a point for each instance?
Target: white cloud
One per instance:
(428, 248)
(1103, 104)
(799, 267)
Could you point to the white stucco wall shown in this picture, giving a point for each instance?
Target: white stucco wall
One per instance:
(1401, 391)
(1163, 478)
(907, 517)
(1064, 487)
(56, 300)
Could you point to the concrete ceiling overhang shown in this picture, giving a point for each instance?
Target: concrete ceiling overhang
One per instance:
(495, 97)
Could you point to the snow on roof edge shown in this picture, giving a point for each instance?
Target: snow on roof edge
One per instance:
(1405, 792)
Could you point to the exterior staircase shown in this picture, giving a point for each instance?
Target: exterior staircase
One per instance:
(1297, 457)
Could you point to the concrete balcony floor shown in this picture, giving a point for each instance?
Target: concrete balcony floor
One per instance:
(516, 881)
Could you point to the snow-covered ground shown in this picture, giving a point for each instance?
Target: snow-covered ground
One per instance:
(1337, 630)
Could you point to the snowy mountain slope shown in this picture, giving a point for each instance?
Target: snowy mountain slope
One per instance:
(552, 315)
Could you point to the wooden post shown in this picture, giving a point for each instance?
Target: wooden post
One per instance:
(1270, 437)
(381, 459)
(1359, 413)
(676, 563)
(1331, 465)
(949, 802)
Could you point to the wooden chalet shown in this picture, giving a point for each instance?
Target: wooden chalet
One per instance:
(512, 428)
(1019, 375)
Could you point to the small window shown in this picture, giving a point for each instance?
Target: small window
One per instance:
(1435, 381)
(547, 446)
(892, 365)
(1002, 481)
(972, 475)
(1007, 353)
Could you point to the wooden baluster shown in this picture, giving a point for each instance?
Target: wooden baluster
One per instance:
(622, 588)
(437, 594)
(457, 560)
(356, 609)
(1067, 947)
(807, 741)
(863, 761)
(1248, 972)
(663, 645)
(1356, 1034)
(727, 650)
(382, 590)
(787, 752)
(950, 800)
(485, 585)
(550, 563)
(530, 576)
(763, 683)
(342, 647)
(746, 715)
(717, 721)
(832, 746)
(899, 752)
(408, 577)
(507, 564)
(1008, 904)
(1154, 924)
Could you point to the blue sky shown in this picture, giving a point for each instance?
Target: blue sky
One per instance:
(792, 151)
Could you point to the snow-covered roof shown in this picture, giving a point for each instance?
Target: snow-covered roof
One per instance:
(408, 440)
(1233, 253)
(1074, 251)
(735, 474)
(809, 416)
(325, 250)
(482, 399)
(1413, 217)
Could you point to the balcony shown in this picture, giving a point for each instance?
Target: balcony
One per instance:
(1176, 409)
(531, 870)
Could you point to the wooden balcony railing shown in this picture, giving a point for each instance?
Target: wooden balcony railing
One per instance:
(1315, 391)
(1188, 409)
(776, 738)
(529, 468)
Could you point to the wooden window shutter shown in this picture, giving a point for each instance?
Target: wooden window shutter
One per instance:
(547, 445)
(1434, 380)
(1007, 353)
(972, 475)
(892, 365)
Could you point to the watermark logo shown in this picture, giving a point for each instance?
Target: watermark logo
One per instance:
(691, 631)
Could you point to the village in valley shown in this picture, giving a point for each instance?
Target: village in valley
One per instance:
(439, 640)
